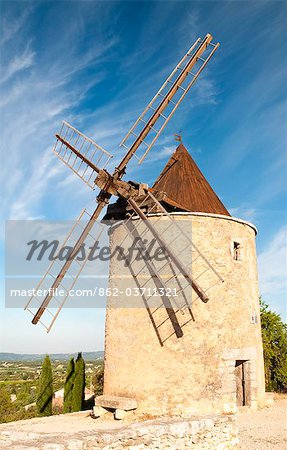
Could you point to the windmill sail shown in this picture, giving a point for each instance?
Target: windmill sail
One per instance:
(176, 243)
(84, 156)
(87, 159)
(164, 310)
(159, 111)
(185, 273)
(62, 274)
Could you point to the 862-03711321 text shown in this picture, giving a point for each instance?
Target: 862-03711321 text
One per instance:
(99, 291)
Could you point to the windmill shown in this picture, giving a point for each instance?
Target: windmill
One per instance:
(88, 160)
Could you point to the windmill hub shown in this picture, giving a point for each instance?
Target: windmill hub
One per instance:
(114, 186)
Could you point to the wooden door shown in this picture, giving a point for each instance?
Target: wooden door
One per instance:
(241, 382)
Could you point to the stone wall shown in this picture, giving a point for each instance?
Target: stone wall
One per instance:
(195, 373)
(202, 433)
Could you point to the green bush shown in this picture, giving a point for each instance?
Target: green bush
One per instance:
(98, 380)
(7, 407)
(274, 336)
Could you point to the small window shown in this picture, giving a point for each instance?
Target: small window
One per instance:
(236, 251)
(254, 318)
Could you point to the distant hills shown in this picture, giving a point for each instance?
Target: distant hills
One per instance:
(88, 356)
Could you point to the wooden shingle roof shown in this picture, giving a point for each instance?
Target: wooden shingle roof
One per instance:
(186, 187)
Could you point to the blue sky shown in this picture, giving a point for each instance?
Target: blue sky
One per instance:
(97, 64)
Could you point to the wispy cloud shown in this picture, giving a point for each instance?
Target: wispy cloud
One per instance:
(248, 214)
(12, 25)
(205, 91)
(36, 94)
(163, 152)
(20, 62)
(272, 266)
(42, 171)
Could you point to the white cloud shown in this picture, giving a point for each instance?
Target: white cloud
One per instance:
(205, 91)
(248, 214)
(17, 64)
(272, 266)
(162, 153)
(12, 94)
(33, 103)
(10, 27)
(41, 172)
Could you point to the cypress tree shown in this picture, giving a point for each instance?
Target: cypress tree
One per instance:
(45, 389)
(68, 388)
(79, 384)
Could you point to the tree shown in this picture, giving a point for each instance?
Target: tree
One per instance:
(79, 384)
(274, 336)
(7, 408)
(23, 396)
(69, 385)
(98, 380)
(45, 389)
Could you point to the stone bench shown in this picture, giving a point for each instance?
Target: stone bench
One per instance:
(120, 405)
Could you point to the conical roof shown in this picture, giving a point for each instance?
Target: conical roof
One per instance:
(186, 187)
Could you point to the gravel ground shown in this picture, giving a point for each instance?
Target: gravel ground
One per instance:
(264, 429)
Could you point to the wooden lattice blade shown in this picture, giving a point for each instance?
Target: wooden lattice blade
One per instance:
(172, 255)
(186, 268)
(157, 280)
(165, 292)
(159, 111)
(149, 208)
(70, 262)
(80, 153)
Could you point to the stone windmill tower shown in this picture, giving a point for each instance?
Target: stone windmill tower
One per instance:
(217, 364)
(182, 328)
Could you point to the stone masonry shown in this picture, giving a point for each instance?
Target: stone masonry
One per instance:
(194, 374)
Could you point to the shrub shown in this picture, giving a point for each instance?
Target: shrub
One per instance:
(274, 336)
(45, 389)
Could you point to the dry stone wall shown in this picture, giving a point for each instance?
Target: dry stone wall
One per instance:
(205, 433)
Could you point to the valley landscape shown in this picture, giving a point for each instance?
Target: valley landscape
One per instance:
(19, 374)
